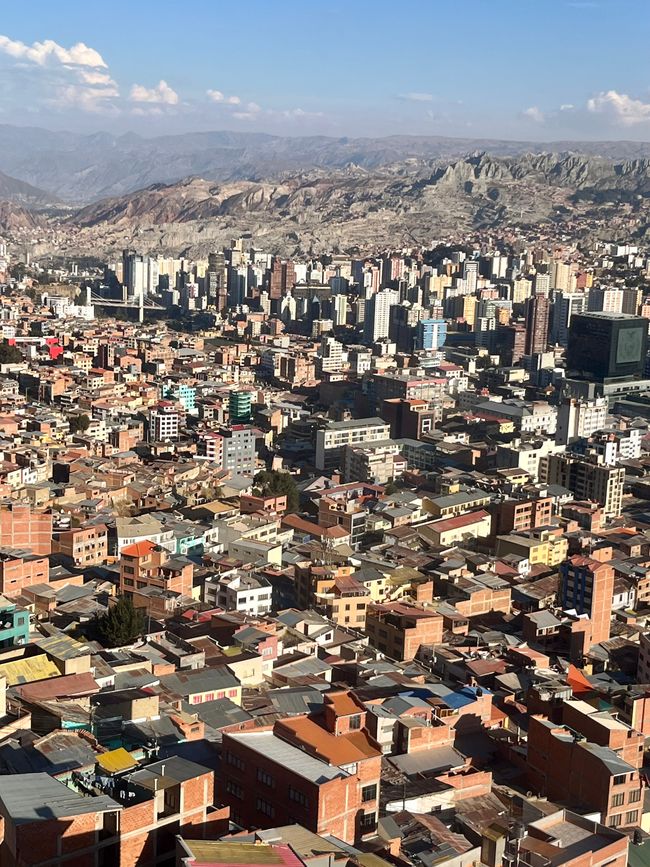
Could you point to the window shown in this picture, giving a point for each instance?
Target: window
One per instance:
(635, 796)
(615, 821)
(298, 797)
(632, 817)
(265, 808)
(355, 722)
(233, 789)
(618, 800)
(369, 793)
(368, 822)
(619, 779)
(265, 778)
(235, 761)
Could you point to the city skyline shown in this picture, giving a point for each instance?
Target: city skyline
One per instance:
(467, 69)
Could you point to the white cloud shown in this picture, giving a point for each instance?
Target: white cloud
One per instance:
(162, 93)
(535, 114)
(620, 107)
(92, 99)
(417, 96)
(567, 106)
(49, 51)
(219, 96)
(75, 77)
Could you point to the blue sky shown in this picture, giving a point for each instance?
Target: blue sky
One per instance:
(533, 69)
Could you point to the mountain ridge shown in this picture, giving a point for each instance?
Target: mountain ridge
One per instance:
(79, 169)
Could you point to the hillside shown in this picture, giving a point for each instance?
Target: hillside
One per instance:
(406, 201)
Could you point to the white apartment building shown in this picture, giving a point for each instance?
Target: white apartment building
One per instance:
(330, 440)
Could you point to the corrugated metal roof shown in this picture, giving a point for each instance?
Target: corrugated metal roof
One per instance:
(116, 761)
(302, 764)
(28, 670)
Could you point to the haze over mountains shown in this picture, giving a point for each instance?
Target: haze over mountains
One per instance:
(78, 169)
(190, 193)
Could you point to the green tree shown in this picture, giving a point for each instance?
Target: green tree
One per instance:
(79, 423)
(9, 354)
(272, 483)
(121, 624)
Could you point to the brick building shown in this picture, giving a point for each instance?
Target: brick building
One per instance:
(399, 628)
(145, 565)
(48, 822)
(85, 546)
(20, 527)
(518, 516)
(322, 771)
(20, 569)
(597, 769)
(587, 586)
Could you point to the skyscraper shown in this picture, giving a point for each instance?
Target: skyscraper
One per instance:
(537, 311)
(377, 314)
(565, 305)
(216, 281)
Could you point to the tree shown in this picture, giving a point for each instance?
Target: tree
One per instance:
(10, 354)
(272, 483)
(79, 423)
(121, 624)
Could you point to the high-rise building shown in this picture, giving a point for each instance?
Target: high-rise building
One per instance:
(377, 314)
(430, 334)
(542, 284)
(561, 276)
(607, 346)
(565, 306)
(511, 343)
(470, 275)
(588, 479)
(605, 301)
(216, 281)
(282, 278)
(239, 407)
(537, 313)
(587, 587)
(331, 354)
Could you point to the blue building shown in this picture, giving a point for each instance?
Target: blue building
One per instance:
(14, 624)
(430, 333)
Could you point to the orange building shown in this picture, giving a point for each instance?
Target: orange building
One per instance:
(146, 565)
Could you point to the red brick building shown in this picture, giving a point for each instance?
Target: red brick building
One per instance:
(85, 546)
(44, 822)
(18, 570)
(22, 528)
(398, 629)
(322, 771)
(587, 774)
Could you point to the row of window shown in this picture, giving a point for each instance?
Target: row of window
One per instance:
(631, 818)
(619, 800)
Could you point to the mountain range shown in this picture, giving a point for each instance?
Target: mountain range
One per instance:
(78, 169)
(312, 194)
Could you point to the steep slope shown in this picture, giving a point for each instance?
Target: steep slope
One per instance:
(416, 199)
